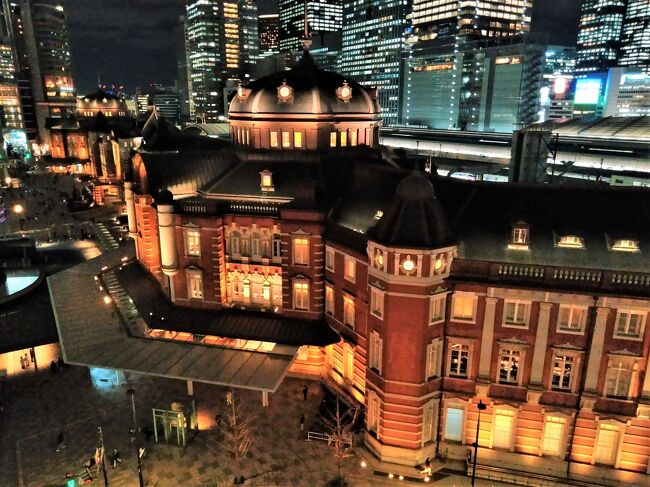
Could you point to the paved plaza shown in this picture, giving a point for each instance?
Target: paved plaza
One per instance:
(38, 406)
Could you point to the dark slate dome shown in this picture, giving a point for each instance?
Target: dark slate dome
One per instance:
(165, 197)
(415, 218)
(311, 91)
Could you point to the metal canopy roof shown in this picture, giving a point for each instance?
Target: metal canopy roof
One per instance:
(92, 335)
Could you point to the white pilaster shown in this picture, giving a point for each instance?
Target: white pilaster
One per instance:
(596, 351)
(487, 338)
(190, 388)
(541, 341)
(167, 232)
(130, 208)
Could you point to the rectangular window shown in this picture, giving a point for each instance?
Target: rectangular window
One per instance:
(458, 360)
(192, 243)
(553, 440)
(277, 248)
(607, 445)
(348, 311)
(348, 362)
(571, 318)
(437, 308)
(432, 362)
(353, 137)
(297, 139)
(454, 424)
(332, 139)
(329, 258)
(329, 300)
(515, 314)
(301, 295)
(376, 350)
(195, 284)
(563, 366)
(373, 411)
(369, 137)
(344, 138)
(618, 379)
(428, 431)
(503, 434)
(520, 235)
(509, 366)
(301, 251)
(286, 140)
(629, 324)
(463, 306)
(274, 139)
(350, 269)
(376, 302)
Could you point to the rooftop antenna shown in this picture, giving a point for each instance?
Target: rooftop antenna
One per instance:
(306, 42)
(99, 81)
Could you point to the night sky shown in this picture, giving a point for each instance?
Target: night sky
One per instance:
(131, 42)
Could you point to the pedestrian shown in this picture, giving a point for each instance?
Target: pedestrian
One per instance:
(229, 398)
(26, 359)
(32, 354)
(115, 457)
(60, 445)
(302, 422)
(22, 362)
(305, 392)
(53, 367)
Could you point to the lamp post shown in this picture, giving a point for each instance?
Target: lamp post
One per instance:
(103, 454)
(481, 407)
(134, 429)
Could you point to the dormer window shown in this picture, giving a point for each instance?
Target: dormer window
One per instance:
(519, 238)
(571, 242)
(625, 245)
(266, 180)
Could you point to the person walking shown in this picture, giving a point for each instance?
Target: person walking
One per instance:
(302, 422)
(32, 354)
(115, 457)
(305, 392)
(22, 362)
(229, 398)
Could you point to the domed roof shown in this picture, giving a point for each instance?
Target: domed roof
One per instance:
(165, 197)
(415, 187)
(305, 90)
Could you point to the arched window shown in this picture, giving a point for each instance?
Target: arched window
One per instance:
(256, 245)
(235, 243)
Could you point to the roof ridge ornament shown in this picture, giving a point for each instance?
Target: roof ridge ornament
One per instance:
(344, 92)
(306, 41)
(242, 93)
(285, 93)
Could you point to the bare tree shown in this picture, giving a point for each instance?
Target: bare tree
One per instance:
(237, 430)
(341, 439)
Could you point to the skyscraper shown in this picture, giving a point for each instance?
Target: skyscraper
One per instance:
(41, 41)
(222, 39)
(183, 70)
(599, 34)
(373, 39)
(635, 35)
(268, 30)
(322, 16)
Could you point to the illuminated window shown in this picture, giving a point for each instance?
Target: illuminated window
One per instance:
(607, 444)
(454, 421)
(301, 295)
(350, 269)
(266, 180)
(332, 139)
(297, 139)
(329, 258)
(629, 324)
(563, 371)
(376, 302)
(274, 139)
(353, 137)
(626, 245)
(348, 362)
(344, 138)
(519, 236)
(376, 352)
(463, 306)
(379, 259)
(432, 367)
(348, 311)
(192, 243)
(437, 308)
(571, 242)
(247, 289)
(515, 314)
(329, 300)
(195, 284)
(553, 440)
(509, 368)
(458, 360)
(286, 139)
(571, 318)
(301, 251)
(503, 432)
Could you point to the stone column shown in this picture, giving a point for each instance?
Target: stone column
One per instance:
(167, 232)
(596, 351)
(486, 339)
(541, 340)
(190, 388)
(645, 391)
(130, 208)
(265, 399)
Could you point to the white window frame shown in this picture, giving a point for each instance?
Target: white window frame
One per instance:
(234, 239)
(519, 235)
(554, 418)
(193, 276)
(464, 295)
(377, 302)
(350, 269)
(437, 302)
(300, 300)
(616, 365)
(571, 309)
(330, 258)
(463, 420)
(429, 420)
(189, 235)
(520, 364)
(433, 361)
(519, 313)
(348, 362)
(610, 425)
(348, 310)
(276, 247)
(641, 326)
(561, 356)
(376, 352)
(330, 300)
(374, 408)
(301, 250)
(461, 347)
(257, 238)
(508, 412)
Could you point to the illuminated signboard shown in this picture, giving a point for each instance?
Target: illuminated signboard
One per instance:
(433, 67)
(509, 60)
(560, 85)
(587, 91)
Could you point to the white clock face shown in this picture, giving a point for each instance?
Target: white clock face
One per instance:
(285, 92)
(408, 265)
(345, 92)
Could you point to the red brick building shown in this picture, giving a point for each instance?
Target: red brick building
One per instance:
(442, 293)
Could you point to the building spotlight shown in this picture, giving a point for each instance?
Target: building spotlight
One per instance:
(107, 299)
(18, 208)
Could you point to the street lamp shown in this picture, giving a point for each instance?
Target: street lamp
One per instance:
(131, 392)
(481, 407)
(18, 208)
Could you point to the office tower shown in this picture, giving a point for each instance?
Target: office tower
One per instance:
(10, 111)
(635, 35)
(322, 16)
(222, 40)
(373, 39)
(183, 70)
(599, 34)
(268, 29)
(167, 103)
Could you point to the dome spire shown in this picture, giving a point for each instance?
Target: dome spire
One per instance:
(306, 42)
